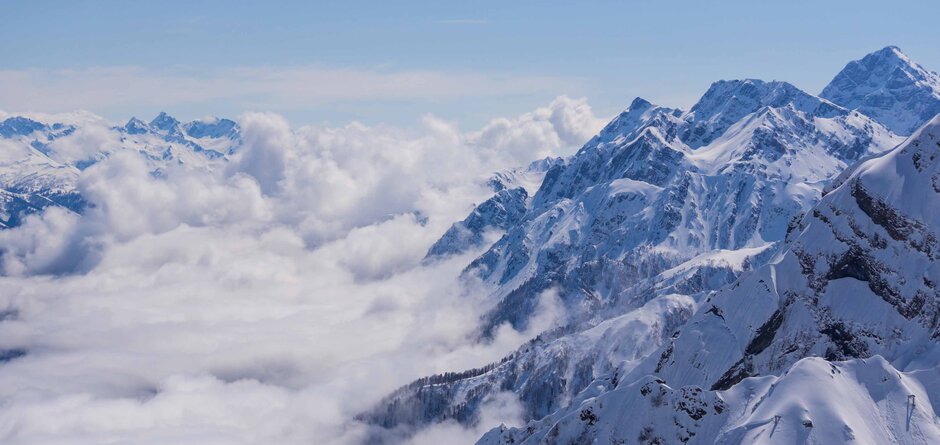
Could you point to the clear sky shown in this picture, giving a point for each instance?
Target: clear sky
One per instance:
(391, 62)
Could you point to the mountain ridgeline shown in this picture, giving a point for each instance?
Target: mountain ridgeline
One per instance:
(765, 238)
(763, 267)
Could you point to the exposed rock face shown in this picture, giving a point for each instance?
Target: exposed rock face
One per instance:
(502, 211)
(889, 87)
(505, 209)
(645, 195)
(639, 217)
(791, 227)
(815, 401)
(856, 281)
(546, 373)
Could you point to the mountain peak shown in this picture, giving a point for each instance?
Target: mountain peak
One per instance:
(888, 50)
(164, 121)
(890, 87)
(753, 92)
(638, 114)
(136, 126)
(19, 126)
(887, 59)
(639, 103)
(728, 101)
(212, 127)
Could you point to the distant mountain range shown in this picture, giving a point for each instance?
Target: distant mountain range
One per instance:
(36, 173)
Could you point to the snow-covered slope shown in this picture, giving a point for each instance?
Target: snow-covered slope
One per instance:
(546, 373)
(857, 280)
(889, 87)
(658, 187)
(636, 218)
(671, 205)
(815, 401)
(40, 161)
(528, 178)
(501, 211)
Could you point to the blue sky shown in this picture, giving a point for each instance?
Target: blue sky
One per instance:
(391, 62)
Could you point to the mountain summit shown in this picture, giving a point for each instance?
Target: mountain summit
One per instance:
(889, 87)
(633, 234)
(765, 238)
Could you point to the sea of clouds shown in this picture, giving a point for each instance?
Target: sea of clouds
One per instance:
(265, 302)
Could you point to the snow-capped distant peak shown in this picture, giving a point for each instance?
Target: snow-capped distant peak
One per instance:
(639, 103)
(890, 87)
(212, 127)
(164, 122)
(38, 168)
(19, 126)
(136, 126)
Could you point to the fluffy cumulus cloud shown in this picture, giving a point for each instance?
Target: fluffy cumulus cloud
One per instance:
(265, 301)
(563, 123)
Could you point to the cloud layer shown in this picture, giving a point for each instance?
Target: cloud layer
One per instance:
(109, 88)
(264, 302)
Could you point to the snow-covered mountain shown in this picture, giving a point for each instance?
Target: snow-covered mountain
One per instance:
(29, 179)
(501, 211)
(39, 163)
(759, 268)
(658, 187)
(889, 87)
(762, 361)
(668, 213)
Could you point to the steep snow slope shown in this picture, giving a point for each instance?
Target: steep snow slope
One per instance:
(660, 204)
(528, 178)
(545, 373)
(635, 201)
(815, 401)
(31, 181)
(498, 213)
(890, 87)
(857, 281)
(637, 217)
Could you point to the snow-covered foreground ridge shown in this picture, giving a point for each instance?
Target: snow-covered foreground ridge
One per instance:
(707, 259)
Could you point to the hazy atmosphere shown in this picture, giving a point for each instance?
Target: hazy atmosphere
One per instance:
(494, 223)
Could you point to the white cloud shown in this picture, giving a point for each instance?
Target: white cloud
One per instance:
(264, 303)
(89, 139)
(42, 245)
(564, 123)
(105, 88)
(328, 180)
